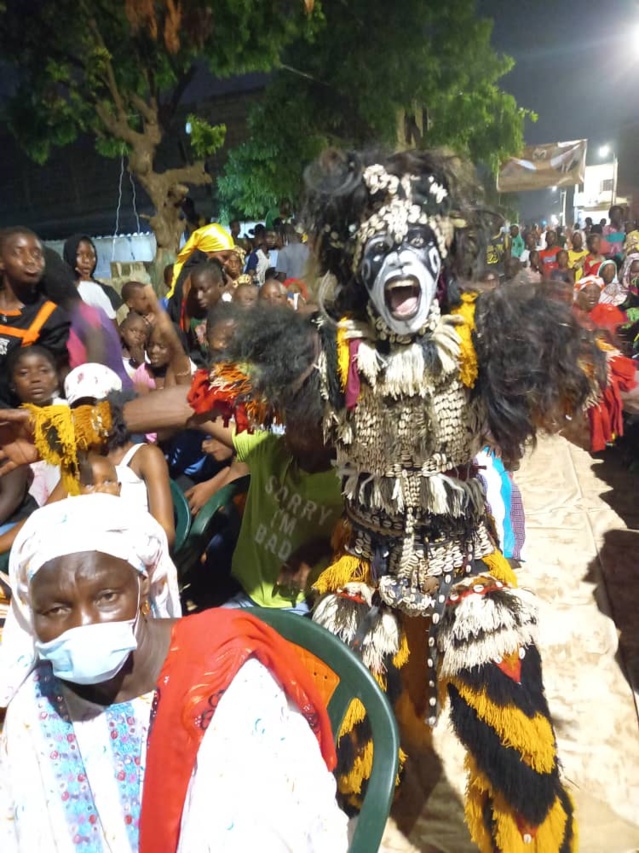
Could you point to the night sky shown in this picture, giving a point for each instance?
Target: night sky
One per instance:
(577, 67)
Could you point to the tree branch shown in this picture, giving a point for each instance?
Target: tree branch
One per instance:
(168, 109)
(118, 128)
(149, 112)
(194, 174)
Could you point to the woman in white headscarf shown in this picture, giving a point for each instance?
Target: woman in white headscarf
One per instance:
(614, 292)
(240, 751)
(94, 522)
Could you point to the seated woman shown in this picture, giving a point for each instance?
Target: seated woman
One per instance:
(81, 255)
(34, 380)
(129, 733)
(141, 468)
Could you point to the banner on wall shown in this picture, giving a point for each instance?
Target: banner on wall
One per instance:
(557, 164)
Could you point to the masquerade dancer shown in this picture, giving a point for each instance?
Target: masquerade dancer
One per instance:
(414, 376)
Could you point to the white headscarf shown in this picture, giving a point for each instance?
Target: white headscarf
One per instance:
(76, 525)
(616, 292)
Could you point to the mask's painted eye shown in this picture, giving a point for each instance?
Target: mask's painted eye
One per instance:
(434, 261)
(418, 241)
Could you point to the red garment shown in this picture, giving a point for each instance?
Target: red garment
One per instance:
(221, 391)
(206, 653)
(606, 418)
(592, 264)
(303, 289)
(549, 259)
(608, 317)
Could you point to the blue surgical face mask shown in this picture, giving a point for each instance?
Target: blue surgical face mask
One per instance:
(90, 654)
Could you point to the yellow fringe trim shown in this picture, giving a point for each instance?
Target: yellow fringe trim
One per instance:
(533, 738)
(59, 432)
(343, 354)
(468, 367)
(548, 836)
(401, 656)
(380, 678)
(347, 569)
(351, 782)
(500, 568)
(355, 713)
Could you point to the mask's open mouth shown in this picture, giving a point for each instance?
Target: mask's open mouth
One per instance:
(402, 296)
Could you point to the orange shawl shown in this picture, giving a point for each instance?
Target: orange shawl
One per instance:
(207, 650)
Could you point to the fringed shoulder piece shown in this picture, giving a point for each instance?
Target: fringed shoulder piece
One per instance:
(228, 392)
(468, 368)
(60, 432)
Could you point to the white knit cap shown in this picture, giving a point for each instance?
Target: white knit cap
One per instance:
(91, 380)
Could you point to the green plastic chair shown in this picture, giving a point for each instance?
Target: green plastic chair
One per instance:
(186, 557)
(355, 681)
(182, 516)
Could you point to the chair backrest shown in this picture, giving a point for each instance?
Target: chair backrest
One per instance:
(182, 516)
(198, 535)
(352, 681)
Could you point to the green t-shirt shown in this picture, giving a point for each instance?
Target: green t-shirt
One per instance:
(285, 508)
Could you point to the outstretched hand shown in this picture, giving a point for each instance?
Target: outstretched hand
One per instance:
(16, 440)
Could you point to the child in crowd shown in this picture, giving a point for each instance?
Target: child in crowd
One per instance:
(134, 330)
(245, 295)
(594, 258)
(98, 475)
(563, 272)
(577, 254)
(534, 272)
(166, 362)
(167, 276)
(34, 380)
(549, 254)
(273, 292)
(294, 498)
(135, 295)
(165, 358)
(141, 468)
(613, 291)
(221, 324)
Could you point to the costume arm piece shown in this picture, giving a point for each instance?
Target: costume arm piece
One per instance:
(537, 365)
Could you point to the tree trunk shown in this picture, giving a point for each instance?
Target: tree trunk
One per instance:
(167, 190)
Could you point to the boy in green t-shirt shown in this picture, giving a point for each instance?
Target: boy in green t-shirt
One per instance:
(294, 501)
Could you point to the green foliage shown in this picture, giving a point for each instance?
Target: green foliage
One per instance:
(348, 83)
(83, 68)
(205, 138)
(258, 173)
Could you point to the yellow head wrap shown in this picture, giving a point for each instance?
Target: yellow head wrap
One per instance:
(210, 238)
